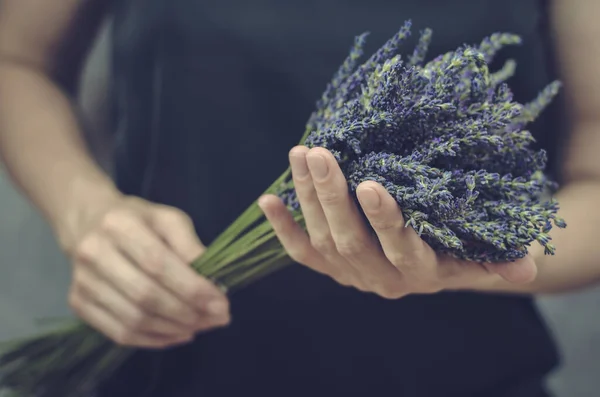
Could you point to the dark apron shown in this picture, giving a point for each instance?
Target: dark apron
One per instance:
(210, 95)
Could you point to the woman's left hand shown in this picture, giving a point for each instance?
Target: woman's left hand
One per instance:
(339, 244)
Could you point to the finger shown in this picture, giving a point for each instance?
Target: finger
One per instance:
(522, 271)
(151, 255)
(291, 236)
(177, 229)
(97, 291)
(316, 222)
(331, 190)
(314, 217)
(137, 286)
(106, 323)
(351, 237)
(402, 245)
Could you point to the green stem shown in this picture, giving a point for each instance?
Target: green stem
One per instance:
(257, 272)
(260, 239)
(251, 215)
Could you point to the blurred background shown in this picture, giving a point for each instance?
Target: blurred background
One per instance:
(35, 274)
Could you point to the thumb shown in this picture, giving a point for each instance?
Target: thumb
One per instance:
(522, 271)
(177, 229)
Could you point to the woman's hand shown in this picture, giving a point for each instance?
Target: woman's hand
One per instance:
(340, 245)
(132, 280)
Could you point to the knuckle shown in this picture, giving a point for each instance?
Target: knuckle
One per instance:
(348, 280)
(187, 319)
(190, 318)
(137, 321)
(350, 247)
(82, 289)
(153, 261)
(145, 298)
(325, 245)
(299, 255)
(76, 281)
(88, 249)
(74, 301)
(175, 216)
(112, 221)
(330, 197)
(384, 224)
(398, 259)
(193, 294)
(124, 337)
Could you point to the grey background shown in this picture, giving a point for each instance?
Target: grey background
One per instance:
(35, 275)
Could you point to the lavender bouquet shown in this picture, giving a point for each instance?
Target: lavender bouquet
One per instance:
(445, 138)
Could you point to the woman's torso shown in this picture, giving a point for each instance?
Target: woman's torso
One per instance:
(210, 95)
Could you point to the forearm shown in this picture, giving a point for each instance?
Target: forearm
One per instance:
(44, 153)
(576, 263)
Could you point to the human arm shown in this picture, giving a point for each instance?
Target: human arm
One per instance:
(40, 143)
(576, 263)
(131, 277)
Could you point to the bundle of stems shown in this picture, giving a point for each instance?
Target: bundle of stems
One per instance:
(71, 361)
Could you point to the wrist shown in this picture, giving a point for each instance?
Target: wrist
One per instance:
(85, 202)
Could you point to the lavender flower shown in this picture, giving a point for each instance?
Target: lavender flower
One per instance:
(446, 139)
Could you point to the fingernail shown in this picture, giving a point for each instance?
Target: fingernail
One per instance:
(369, 199)
(299, 166)
(216, 308)
(318, 166)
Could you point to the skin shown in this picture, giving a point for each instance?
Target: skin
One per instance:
(129, 256)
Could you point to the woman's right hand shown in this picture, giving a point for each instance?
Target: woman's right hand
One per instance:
(132, 280)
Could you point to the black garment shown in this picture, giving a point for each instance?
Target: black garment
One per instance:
(211, 95)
